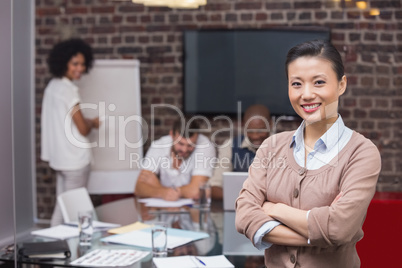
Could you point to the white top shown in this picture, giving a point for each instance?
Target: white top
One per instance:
(326, 147)
(159, 161)
(62, 143)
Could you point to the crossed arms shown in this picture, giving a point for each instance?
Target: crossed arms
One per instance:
(329, 222)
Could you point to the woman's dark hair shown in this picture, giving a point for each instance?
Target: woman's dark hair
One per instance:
(320, 48)
(62, 52)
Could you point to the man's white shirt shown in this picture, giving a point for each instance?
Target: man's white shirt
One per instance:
(158, 160)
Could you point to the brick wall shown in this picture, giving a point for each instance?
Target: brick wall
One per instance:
(371, 47)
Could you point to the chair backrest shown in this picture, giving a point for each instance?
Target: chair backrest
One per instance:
(121, 211)
(75, 200)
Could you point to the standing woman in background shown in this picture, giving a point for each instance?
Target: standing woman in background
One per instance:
(308, 190)
(67, 61)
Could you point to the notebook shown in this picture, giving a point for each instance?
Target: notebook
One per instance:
(142, 237)
(58, 249)
(219, 261)
(232, 184)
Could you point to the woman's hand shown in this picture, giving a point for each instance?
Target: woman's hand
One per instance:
(268, 207)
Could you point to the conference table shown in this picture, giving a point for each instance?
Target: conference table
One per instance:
(223, 237)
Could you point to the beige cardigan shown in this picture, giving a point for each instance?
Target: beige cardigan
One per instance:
(333, 230)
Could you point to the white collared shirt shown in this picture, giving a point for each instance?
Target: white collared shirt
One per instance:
(159, 161)
(326, 147)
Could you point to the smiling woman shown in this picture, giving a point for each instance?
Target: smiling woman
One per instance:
(309, 210)
(67, 61)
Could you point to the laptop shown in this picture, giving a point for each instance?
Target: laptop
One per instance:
(235, 243)
(232, 184)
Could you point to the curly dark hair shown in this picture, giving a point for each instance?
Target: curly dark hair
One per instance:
(62, 52)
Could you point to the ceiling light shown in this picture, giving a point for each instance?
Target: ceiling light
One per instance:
(374, 12)
(361, 4)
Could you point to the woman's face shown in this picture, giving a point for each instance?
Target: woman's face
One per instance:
(76, 67)
(314, 89)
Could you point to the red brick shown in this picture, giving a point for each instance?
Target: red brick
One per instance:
(173, 18)
(230, 17)
(187, 17)
(353, 15)
(397, 103)
(320, 15)
(386, 37)
(201, 17)
(246, 17)
(338, 36)
(215, 26)
(385, 4)
(215, 17)
(354, 37)
(348, 102)
(143, 39)
(305, 16)
(277, 16)
(159, 18)
(352, 80)
(77, 21)
(103, 29)
(217, 6)
(248, 6)
(145, 18)
(366, 103)
(278, 5)
(367, 81)
(158, 28)
(131, 8)
(76, 10)
(116, 40)
(337, 15)
(42, 12)
(358, 113)
(158, 9)
(102, 10)
(307, 5)
(382, 69)
(397, 82)
(261, 16)
(117, 19)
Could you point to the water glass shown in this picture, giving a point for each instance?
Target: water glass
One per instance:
(85, 227)
(159, 239)
(205, 196)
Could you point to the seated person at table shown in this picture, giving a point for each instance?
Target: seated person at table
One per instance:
(237, 154)
(176, 164)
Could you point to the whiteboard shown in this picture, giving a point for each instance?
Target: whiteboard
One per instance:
(111, 90)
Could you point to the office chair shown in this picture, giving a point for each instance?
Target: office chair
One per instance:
(75, 200)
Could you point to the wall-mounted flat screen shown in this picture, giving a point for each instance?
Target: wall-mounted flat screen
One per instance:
(224, 67)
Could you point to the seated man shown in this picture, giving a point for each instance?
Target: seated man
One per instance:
(176, 164)
(238, 154)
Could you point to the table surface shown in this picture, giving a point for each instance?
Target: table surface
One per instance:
(223, 238)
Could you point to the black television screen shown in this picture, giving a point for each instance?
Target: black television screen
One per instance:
(224, 67)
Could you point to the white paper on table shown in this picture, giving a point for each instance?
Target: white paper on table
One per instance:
(161, 203)
(143, 238)
(110, 258)
(97, 224)
(58, 232)
(219, 261)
